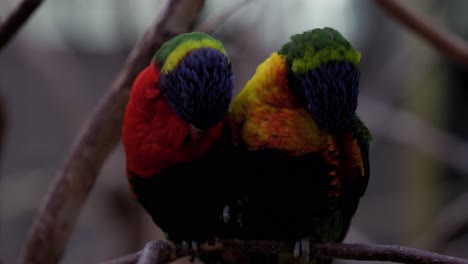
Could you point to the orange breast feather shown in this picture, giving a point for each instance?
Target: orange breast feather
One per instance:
(265, 114)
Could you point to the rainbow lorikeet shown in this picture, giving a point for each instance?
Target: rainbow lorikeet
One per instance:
(305, 149)
(176, 136)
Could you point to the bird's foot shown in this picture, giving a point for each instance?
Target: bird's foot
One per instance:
(192, 246)
(226, 214)
(233, 213)
(240, 205)
(302, 248)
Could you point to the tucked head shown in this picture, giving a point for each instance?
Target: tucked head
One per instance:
(323, 68)
(196, 78)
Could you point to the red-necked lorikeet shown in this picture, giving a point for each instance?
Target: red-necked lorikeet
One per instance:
(305, 149)
(176, 136)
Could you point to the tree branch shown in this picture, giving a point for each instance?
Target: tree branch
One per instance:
(58, 214)
(127, 259)
(390, 253)
(452, 45)
(156, 252)
(16, 20)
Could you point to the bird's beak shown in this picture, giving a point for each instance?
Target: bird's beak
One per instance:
(195, 132)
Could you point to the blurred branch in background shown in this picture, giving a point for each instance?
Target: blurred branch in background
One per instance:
(450, 44)
(55, 221)
(410, 130)
(163, 252)
(16, 19)
(450, 223)
(211, 24)
(3, 123)
(3, 127)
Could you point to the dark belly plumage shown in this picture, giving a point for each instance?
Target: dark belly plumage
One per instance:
(186, 201)
(286, 197)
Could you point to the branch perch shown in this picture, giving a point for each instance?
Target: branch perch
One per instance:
(156, 252)
(390, 253)
(58, 214)
(452, 45)
(16, 20)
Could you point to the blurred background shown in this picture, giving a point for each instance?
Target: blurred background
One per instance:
(412, 97)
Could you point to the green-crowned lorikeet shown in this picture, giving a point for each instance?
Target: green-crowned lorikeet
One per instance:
(305, 150)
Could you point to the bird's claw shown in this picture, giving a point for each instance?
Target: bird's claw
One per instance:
(239, 220)
(305, 246)
(234, 212)
(226, 214)
(193, 245)
(297, 249)
(184, 245)
(302, 248)
(239, 214)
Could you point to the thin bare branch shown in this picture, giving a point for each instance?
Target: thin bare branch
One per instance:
(450, 44)
(390, 253)
(58, 214)
(16, 20)
(411, 130)
(211, 24)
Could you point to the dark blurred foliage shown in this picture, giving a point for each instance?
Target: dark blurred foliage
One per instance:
(55, 70)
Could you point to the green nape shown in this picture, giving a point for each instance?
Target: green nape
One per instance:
(362, 130)
(167, 47)
(310, 49)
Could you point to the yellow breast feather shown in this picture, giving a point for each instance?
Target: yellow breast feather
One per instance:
(265, 114)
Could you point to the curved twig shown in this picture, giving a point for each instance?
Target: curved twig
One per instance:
(392, 253)
(447, 42)
(58, 214)
(16, 20)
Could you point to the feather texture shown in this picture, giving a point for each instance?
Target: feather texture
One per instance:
(305, 149)
(176, 136)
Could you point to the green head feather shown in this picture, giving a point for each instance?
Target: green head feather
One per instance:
(172, 51)
(311, 49)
